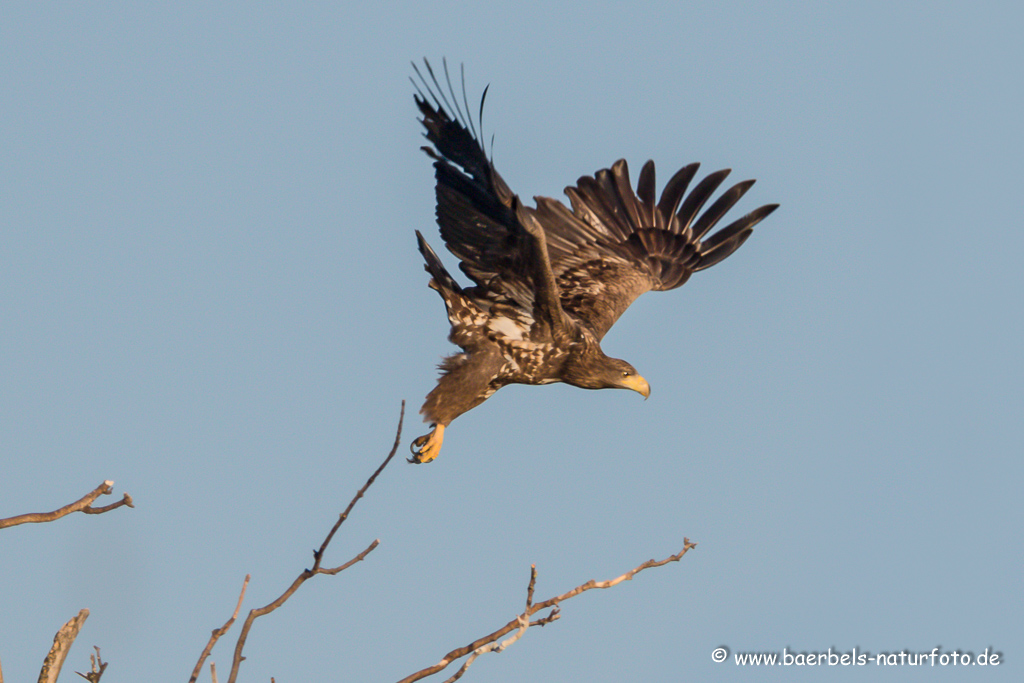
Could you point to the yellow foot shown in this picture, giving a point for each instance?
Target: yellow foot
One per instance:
(427, 447)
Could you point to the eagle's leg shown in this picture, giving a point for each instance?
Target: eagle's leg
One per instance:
(465, 384)
(425, 448)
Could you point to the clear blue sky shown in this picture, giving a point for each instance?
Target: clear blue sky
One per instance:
(210, 293)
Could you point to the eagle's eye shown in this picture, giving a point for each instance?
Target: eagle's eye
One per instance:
(626, 373)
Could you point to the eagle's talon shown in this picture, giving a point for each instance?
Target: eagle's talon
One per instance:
(425, 448)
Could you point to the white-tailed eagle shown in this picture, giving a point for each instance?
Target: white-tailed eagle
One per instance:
(549, 282)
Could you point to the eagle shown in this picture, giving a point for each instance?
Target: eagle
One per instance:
(550, 281)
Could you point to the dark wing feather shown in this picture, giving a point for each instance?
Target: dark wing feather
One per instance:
(475, 208)
(616, 244)
(645, 193)
(500, 243)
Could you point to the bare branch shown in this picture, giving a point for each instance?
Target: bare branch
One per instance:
(217, 633)
(358, 558)
(318, 555)
(80, 505)
(62, 643)
(522, 622)
(533, 584)
(97, 667)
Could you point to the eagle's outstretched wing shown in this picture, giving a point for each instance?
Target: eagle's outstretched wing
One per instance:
(614, 245)
(476, 211)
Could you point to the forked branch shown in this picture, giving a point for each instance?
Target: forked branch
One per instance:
(83, 504)
(217, 633)
(318, 556)
(96, 668)
(490, 642)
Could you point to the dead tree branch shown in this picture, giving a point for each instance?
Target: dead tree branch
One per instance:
(83, 504)
(318, 555)
(97, 667)
(522, 622)
(217, 633)
(62, 643)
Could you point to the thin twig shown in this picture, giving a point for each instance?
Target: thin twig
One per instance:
(317, 559)
(522, 621)
(80, 505)
(217, 633)
(62, 643)
(533, 584)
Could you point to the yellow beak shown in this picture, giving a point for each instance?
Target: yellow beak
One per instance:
(637, 384)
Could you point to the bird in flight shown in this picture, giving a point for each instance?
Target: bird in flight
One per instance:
(550, 281)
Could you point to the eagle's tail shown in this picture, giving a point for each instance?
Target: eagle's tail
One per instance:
(441, 281)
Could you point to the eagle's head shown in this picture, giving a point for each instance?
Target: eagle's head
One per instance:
(598, 371)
